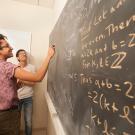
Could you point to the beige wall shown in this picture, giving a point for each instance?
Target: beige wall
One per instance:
(38, 21)
(58, 7)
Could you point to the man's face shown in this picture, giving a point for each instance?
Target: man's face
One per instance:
(6, 49)
(22, 56)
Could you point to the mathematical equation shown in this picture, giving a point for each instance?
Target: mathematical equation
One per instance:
(87, 27)
(104, 123)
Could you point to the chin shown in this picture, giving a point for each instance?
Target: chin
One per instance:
(11, 55)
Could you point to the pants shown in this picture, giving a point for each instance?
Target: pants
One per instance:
(10, 122)
(26, 106)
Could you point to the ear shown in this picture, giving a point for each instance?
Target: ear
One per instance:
(18, 58)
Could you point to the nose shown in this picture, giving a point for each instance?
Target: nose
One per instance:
(11, 47)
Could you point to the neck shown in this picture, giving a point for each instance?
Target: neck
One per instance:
(2, 58)
(23, 63)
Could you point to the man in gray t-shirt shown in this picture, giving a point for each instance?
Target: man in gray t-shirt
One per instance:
(25, 93)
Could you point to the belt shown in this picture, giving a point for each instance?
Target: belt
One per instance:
(10, 109)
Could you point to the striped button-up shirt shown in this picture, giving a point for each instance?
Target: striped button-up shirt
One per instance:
(8, 85)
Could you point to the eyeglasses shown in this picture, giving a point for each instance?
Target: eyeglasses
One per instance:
(23, 53)
(6, 46)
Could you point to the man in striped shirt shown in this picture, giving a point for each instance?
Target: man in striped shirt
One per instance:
(9, 73)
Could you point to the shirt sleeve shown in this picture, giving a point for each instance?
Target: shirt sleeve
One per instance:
(33, 69)
(10, 69)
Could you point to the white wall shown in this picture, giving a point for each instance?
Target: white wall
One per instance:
(18, 40)
(38, 21)
(58, 7)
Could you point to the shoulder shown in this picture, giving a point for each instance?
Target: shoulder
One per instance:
(9, 68)
(31, 67)
(9, 65)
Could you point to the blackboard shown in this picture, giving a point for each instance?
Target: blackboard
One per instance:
(91, 79)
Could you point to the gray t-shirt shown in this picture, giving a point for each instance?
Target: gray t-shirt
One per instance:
(26, 91)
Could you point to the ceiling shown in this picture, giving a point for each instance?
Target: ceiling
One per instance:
(44, 3)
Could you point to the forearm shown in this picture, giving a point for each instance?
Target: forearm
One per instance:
(28, 83)
(21, 74)
(43, 69)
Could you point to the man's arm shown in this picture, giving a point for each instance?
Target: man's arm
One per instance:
(28, 83)
(24, 75)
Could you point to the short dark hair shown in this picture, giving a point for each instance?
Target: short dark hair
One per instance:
(2, 37)
(17, 53)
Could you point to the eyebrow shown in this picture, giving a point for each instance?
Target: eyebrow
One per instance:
(22, 52)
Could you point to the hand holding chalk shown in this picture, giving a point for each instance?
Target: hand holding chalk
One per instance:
(51, 51)
(53, 46)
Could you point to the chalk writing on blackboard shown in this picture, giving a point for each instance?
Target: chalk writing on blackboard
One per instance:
(92, 78)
